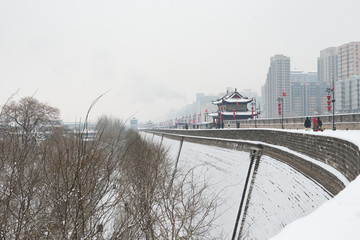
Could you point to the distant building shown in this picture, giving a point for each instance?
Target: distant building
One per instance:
(327, 65)
(277, 83)
(133, 123)
(347, 95)
(308, 96)
(149, 124)
(231, 106)
(347, 89)
(204, 104)
(303, 77)
(200, 107)
(348, 60)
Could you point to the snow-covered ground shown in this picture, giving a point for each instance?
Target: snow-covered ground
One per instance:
(338, 218)
(280, 195)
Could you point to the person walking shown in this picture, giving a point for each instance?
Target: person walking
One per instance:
(315, 125)
(319, 122)
(307, 124)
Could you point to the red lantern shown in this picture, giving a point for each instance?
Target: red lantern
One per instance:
(279, 112)
(329, 103)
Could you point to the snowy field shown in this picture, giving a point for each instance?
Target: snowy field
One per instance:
(280, 194)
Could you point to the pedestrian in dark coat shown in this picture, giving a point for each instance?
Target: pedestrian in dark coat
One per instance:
(319, 122)
(307, 123)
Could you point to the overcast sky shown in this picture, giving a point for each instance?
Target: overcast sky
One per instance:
(155, 55)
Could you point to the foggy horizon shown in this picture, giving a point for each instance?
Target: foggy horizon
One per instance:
(154, 56)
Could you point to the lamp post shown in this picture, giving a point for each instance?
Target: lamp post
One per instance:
(206, 116)
(331, 99)
(281, 110)
(254, 112)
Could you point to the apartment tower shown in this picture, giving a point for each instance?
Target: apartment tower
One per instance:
(277, 83)
(348, 60)
(347, 89)
(327, 65)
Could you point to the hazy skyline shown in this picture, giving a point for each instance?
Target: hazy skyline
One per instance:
(156, 55)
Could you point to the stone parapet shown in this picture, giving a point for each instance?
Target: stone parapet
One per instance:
(342, 122)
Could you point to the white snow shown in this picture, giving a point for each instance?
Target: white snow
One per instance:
(338, 218)
(329, 168)
(233, 100)
(280, 194)
(350, 135)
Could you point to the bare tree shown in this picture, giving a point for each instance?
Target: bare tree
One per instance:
(112, 186)
(20, 171)
(28, 116)
(150, 210)
(81, 178)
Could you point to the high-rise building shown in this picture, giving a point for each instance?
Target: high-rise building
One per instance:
(327, 65)
(303, 77)
(308, 95)
(347, 89)
(348, 60)
(347, 94)
(277, 83)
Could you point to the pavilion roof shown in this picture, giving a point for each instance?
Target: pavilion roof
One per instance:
(232, 97)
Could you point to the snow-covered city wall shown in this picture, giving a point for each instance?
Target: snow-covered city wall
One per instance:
(279, 195)
(341, 121)
(339, 154)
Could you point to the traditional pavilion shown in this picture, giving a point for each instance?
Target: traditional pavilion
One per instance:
(232, 106)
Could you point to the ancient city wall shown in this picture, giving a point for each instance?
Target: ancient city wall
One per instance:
(343, 122)
(340, 154)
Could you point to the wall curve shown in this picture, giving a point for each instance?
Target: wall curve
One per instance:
(342, 155)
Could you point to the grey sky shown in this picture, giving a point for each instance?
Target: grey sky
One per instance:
(155, 55)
